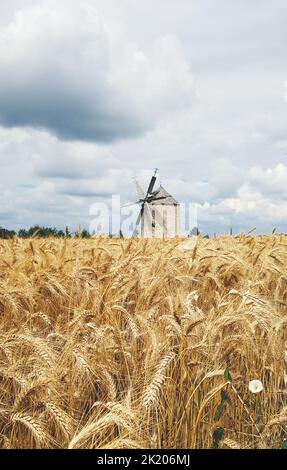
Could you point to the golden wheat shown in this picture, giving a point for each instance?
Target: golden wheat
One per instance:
(114, 343)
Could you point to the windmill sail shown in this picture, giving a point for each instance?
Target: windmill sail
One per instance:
(144, 200)
(151, 185)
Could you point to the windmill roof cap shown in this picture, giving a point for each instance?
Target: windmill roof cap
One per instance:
(162, 197)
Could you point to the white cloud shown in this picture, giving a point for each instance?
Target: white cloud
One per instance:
(194, 88)
(256, 202)
(272, 181)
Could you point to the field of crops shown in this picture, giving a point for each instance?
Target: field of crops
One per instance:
(113, 343)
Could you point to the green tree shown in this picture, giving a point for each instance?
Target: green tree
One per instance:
(4, 233)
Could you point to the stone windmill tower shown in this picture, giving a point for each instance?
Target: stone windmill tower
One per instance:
(159, 214)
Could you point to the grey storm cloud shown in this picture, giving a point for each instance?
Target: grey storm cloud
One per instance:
(68, 115)
(62, 70)
(55, 75)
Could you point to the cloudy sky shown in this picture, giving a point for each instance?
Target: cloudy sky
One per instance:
(93, 92)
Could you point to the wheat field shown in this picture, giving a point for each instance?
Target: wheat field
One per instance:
(132, 343)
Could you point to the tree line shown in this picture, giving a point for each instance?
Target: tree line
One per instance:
(43, 232)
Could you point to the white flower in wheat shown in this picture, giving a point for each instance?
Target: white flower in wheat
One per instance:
(255, 386)
(285, 356)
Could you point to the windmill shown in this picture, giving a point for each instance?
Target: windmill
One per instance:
(154, 207)
(144, 199)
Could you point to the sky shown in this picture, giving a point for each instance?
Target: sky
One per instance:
(96, 92)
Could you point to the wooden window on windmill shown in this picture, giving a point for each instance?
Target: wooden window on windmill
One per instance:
(153, 221)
